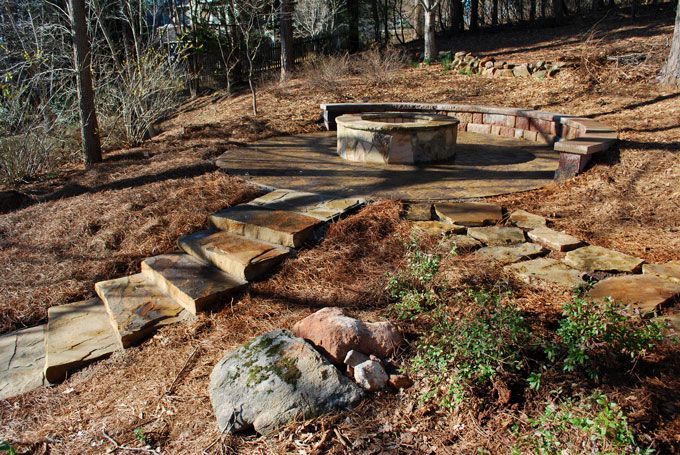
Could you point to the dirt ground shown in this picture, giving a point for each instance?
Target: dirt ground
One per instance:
(88, 225)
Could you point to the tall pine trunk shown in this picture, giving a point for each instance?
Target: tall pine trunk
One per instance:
(430, 41)
(287, 51)
(474, 15)
(89, 129)
(670, 74)
(353, 25)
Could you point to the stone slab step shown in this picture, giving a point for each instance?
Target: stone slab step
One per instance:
(77, 334)
(241, 257)
(469, 213)
(137, 307)
(320, 206)
(513, 253)
(526, 220)
(497, 235)
(555, 240)
(598, 259)
(419, 212)
(644, 292)
(285, 228)
(22, 360)
(438, 228)
(190, 282)
(547, 269)
(669, 270)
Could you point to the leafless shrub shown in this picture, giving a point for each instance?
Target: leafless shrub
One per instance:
(381, 66)
(325, 72)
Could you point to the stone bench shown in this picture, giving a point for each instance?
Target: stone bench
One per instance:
(575, 138)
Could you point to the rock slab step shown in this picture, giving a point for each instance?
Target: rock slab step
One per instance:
(598, 259)
(644, 292)
(547, 269)
(555, 240)
(525, 220)
(438, 228)
(22, 361)
(241, 257)
(192, 283)
(512, 254)
(285, 228)
(497, 235)
(137, 307)
(315, 205)
(273, 379)
(670, 270)
(77, 334)
(335, 334)
(419, 212)
(469, 213)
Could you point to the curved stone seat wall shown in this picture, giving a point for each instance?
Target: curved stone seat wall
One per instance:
(575, 138)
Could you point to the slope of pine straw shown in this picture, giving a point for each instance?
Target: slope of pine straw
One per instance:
(98, 223)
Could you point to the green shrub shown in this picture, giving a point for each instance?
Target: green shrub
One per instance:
(591, 424)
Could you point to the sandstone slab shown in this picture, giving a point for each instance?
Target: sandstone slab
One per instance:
(335, 334)
(555, 240)
(137, 307)
(512, 254)
(77, 334)
(273, 379)
(598, 259)
(285, 228)
(192, 283)
(547, 269)
(22, 360)
(497, 235)
(644, 292)
(469, 213)
(670, 270)
(419, 212)
(319, 206)
(438, 228)
(465, 244)
(241, 257)
(526, 220)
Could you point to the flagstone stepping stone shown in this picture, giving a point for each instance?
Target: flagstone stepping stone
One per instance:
(137, 307)
(512, 254)
(241, 257)
(547, 269)
(645, 292)
(77, 334)
(555, 240)
(22, 360)
(438, 228)
(465, 244)
(497, 235)
(670, 321)
(670, 270)
(419, 212)
(526, 220)
(273, 379)
(189, 281)
(598, 259)
(275, 226)
(469, 213)
(319, 206)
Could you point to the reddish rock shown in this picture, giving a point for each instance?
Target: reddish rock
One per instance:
(400, 381)
(336, 334)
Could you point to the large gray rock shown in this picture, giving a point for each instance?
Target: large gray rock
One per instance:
(273, 379)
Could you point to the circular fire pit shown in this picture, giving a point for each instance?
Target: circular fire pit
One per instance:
(396, 137)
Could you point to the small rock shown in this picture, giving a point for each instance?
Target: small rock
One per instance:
(399, 381)
(371, 375)
(497, 235)
(526, 220)
(521, 71)
(336, 334)
(540, 74)
(555, 240)
(354, 358)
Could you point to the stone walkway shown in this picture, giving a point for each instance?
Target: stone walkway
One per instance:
(246, 242)
(484, 166)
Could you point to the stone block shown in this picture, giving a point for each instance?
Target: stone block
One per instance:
(477, 118)
(469, 213)
(494, 119)
(647, 293)
(529, 135)
(547, 269)
(497, 235)
(598, 259)
(522, 122)
(571, 165)
(507, 131)
(22, 360)
(555, 240)
(510, 120)
(513, 253)
(526, 220)
(496, 130)
(462, 127)
(479, 128)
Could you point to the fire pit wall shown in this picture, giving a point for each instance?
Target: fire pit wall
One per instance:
(576, 139)
(396, 137)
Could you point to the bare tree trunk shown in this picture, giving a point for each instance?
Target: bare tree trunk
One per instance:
(458, 15)
(376, 21)
(353, 13)
(474, 15)
(287, 51)
(494, 13)
(420, 20)
(670, 74)
(430, 40)
(92, 150)
(557, 9)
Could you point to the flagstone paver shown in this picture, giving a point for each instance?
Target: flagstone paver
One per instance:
(469, 213)
(465, 243)
(275, 226)
(526, 220)
(598, 259)
(190, 282)
(22, 360)
(319, 206)
(419, 212)
(645, 292)
(511, 254)
(555, 240)
(137, 307)
(497, 235)
(670, 270)
(547, 269)
(238, 256)
(77, 334)
(439, 227)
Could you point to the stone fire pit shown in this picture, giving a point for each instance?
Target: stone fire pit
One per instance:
(396, 137)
